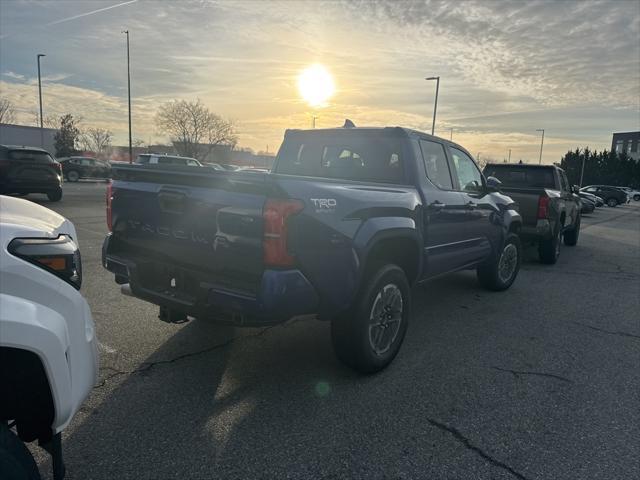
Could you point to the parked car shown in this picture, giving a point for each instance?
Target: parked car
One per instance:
(25, 170)
(587, 206)
(550, 208)
(599, 202)
(348, 220)
(631, 193)
(48, 354)
(612, 196)
(231, 168)
(155, 159)
(75, 168)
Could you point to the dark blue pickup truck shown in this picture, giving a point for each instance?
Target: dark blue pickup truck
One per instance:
(347, 221)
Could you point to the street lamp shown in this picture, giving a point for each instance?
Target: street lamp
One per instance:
(451, 134)
(435, 106)
(40, 97)
(126, 32)
(541, 144)
(509, 156)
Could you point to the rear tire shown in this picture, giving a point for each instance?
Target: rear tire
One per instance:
(549, 248)
(612, 202)
(369, 336)
(503, 270)
(73, 176)
(55, 195)
(16, 461)
(571, 236)
(636, 198)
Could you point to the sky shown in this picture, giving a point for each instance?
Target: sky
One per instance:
(507, 68)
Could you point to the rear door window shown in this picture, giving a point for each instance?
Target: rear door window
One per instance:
(436, 165)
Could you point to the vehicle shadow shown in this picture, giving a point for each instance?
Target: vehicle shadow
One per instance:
(274, 402)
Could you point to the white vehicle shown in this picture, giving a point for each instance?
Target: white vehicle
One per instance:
(48, 347)
(635, 194)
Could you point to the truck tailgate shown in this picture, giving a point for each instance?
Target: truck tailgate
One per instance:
(188, 219)
(527, 200)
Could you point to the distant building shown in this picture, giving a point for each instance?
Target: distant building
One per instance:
(628, 142)
(28, 136)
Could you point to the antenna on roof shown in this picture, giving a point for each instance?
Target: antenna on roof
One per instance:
(348, 124)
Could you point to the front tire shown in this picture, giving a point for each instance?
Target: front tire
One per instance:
(16, 462)
(571, 236)
(369, 336)
(55, 195)
(549, 248)
(636, 198)
(503, 270)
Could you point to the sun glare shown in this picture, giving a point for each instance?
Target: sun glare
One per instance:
(315, 85)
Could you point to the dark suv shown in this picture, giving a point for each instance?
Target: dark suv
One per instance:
(26, 170)
(612, 196)
(75, 168)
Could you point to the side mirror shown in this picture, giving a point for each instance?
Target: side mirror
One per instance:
(575, 189)
(493, 184)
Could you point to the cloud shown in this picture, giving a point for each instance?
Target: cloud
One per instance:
(506, 68)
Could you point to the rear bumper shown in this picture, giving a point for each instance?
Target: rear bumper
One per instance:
(281, 294)
(542, 229)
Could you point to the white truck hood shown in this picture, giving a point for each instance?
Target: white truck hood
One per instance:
(22, 218)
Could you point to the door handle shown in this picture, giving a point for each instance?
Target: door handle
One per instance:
(471, 205)
(437, 205)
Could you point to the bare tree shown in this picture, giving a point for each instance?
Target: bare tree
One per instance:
(49, 121)
(7, 112)
(193, 128)
(96, 140)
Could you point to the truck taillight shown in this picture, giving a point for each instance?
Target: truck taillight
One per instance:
(543, 207)
(109, 199)
(58, 167)
(275, 215)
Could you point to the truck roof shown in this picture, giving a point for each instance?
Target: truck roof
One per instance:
(521, 165)
(402, 132)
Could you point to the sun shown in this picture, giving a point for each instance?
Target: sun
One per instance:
(315, 85)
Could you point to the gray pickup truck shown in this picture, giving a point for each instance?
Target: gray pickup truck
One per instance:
(549, 206)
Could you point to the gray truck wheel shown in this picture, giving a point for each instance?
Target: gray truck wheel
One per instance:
(369, 337)
(612, 202)
(503, 270)
(16, 461)
(549, 248)
(571, 236)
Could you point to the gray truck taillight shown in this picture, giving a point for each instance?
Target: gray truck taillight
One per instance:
(59, 256)
(275, 215)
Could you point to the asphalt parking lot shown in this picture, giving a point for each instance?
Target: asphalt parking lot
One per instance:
(539, 382)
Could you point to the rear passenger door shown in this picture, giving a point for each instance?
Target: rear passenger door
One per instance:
(444, 214)
(478, 231)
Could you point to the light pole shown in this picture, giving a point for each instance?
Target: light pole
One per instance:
(40, 97)
(509, 161)
(314, 121)
(541, 144)
(126, 32)
(435, 105)
(451, 135)
(584, 158)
